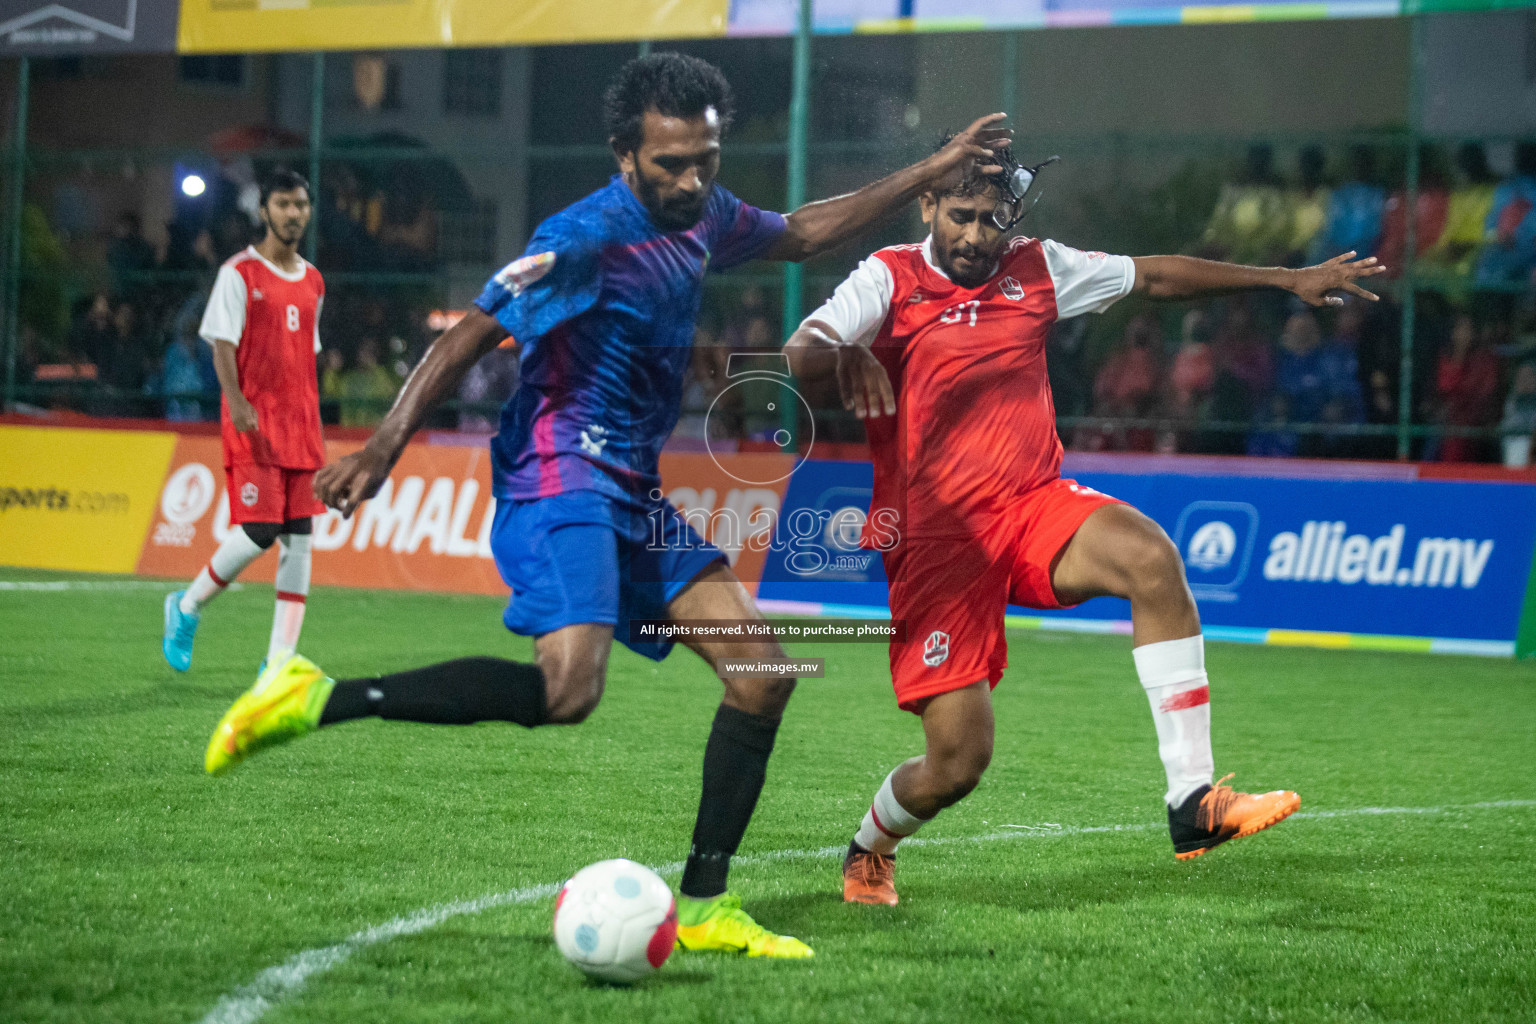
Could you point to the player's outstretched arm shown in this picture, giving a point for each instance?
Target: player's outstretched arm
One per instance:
(815, 351)
(350, 481)
(818, 226)
(1177, 278)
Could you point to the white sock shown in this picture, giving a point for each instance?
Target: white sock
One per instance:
(292, 585)
(1173, 672)
(886, 823)
(237, 552)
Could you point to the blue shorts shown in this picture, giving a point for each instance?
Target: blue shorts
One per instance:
(582, 557)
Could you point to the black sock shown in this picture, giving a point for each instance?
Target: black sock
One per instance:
(735, 765)
(450, 693)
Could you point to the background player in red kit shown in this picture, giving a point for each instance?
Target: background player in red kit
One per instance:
(263, 323)
(940, 346)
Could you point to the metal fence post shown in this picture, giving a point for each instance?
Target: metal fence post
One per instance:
(1410, 237)
(316, 131)
(798, 142)
(1008, 95)
(13, 223)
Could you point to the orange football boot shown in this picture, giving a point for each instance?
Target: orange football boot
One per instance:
(1213, 815)
(869, 878)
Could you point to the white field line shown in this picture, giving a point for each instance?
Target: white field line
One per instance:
(45, 586)
(248, 1003)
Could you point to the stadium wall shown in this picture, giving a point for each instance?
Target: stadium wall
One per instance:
(1326, 554)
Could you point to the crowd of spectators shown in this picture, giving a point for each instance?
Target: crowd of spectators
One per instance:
(1239, 378)
(109, 320)
(131, 348)
(1261, 375)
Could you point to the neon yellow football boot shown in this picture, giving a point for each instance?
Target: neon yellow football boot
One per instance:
(721, 924)
(284, 704)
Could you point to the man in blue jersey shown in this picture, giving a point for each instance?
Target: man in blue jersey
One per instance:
(602, 305)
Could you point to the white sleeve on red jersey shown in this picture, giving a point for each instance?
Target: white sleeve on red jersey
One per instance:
(319, 305)
(1086, 282)
(859, 305)
(224, 319)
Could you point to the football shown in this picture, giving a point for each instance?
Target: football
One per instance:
(616, 921)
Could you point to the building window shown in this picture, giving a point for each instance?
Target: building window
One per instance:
(472, 82)
(227, 69)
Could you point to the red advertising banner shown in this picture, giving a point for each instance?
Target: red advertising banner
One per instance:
(429, 527)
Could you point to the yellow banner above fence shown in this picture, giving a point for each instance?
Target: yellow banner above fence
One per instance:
(250, 26)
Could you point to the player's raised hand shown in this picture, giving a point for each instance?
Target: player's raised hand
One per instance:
(974, 147)
(1315, 285)
(865, 387)
(351, 480)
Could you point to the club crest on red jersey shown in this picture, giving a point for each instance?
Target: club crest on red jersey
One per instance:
(248, 494)
(1011, 288)
(936, 648)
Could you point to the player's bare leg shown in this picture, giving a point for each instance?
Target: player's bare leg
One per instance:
(574, 661)
(957, 730)
(735, 767)
(1119, 552)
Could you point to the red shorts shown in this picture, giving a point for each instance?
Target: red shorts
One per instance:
(270, 494)
(953, 592)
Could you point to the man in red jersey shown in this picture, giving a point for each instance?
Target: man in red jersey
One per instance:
(940, 347)
(263, 323)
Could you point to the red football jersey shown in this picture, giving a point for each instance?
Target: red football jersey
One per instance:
(975, 426)
(273, 319)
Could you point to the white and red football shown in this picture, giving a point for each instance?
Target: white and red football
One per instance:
(616, 920)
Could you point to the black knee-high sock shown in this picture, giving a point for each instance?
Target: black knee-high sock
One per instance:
(450, 693)
(735, 765)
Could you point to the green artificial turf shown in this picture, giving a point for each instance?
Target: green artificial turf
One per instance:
(135, 888)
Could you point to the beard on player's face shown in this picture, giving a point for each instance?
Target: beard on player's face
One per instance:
(966, 245)
(676, 210)
(286, 222)
(673, 168)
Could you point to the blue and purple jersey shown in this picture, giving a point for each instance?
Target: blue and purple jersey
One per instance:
(603, 305)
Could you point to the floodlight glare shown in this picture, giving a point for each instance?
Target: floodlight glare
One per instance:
(193, 186)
